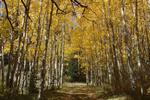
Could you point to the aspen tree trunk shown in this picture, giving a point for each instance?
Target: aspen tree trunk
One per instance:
(87, 76)
(87, 70)
(91, 73)
(147, 37)
(148, 41)
(2, 62)
(117, 80)
(43, 71)
(62, 54)
(148, 44)
(139, 88)
(52, 63)
(107, 66)
(126, 34)
(110, 54)
(55, 61)
(21, 63)
(35, 68)
(8, 84)
(18, 49)
(21, 74)
(137, 33)
(11, 41)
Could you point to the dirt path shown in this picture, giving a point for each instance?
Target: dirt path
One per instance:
(74, 91)
(80, 91)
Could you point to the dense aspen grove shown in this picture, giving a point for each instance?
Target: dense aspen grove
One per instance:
(109, 40)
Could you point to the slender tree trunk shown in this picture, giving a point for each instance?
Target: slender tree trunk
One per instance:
(62, 54)
(43, 72)
(2, 62)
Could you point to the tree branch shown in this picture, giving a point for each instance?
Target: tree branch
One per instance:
(58, 8)
(7, 14)
(26, 9)
(80, 4)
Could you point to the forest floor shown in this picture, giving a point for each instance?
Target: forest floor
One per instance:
(80, 91)
(73, 91)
